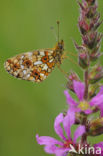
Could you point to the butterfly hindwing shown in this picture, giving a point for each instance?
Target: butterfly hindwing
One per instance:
(37, 65)
(32, 66)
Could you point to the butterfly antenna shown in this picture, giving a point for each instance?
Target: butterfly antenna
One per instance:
(58, 23)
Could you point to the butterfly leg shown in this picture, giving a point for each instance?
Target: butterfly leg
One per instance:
(71, 53)
(65, 73)
(70, 59)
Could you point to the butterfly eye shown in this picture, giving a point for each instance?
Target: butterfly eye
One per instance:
(60, 46)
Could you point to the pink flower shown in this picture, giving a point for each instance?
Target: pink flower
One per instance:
(61, 148)
(99, 145)
(82, 105)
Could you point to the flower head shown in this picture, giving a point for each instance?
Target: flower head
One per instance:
(61, 148)
(82, 105)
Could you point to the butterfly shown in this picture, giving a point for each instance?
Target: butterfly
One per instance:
(36, 65)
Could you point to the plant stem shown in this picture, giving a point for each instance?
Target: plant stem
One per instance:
(84, 139)
(86, 84)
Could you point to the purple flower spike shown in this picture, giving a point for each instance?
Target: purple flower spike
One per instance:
(83, 105)
(61, 148)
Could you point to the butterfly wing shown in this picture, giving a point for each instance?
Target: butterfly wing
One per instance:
(32, 66)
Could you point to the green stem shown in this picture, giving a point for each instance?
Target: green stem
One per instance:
(84, 139)
(86, 85)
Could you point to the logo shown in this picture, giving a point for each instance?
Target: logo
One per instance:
(85, 150)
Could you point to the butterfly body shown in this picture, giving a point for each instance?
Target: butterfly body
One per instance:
(37, 65)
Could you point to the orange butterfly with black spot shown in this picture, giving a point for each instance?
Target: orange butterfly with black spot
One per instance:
(37, 65)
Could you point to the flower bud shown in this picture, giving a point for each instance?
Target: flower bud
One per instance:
(92, 90)
(83, 55)
(95, 53)
(84, 27)
(91, 12)
(96, 127)
(97, 25)
(94, 56)
(96, 74)
(72, 76)
(92, 39)
(80, 117)
(90, 2)
(83, 60)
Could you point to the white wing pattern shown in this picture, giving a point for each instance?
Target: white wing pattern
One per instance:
(32, 66)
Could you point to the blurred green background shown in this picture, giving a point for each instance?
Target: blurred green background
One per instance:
(27, 108)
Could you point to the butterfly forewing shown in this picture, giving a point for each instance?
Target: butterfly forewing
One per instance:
(32, 66)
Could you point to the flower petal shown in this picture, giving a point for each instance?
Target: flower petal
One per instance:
(97, 100)
(101, 91)
(101, 112)
(57, 126)
(70, 100)
(58, 151)
(51, 149)
(79, 132)
(68, 122)
(79, 89)
(88, 111)
(62, 152)
(99, 145)
(46, 140)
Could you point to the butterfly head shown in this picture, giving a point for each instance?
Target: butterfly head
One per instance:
(60, 46)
